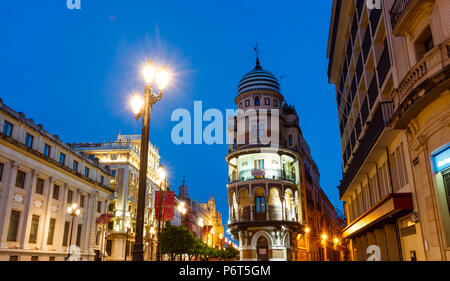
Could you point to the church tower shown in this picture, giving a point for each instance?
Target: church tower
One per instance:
(266, 210)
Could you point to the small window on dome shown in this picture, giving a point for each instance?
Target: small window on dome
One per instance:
(267, 101)
(257, 101)
(275, 102)
(247, 103)
(240, 105)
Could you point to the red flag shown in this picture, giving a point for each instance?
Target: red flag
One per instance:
(169, 202)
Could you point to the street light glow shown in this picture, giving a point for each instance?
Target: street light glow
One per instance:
(137, 103)
(324, 236)
(162, 173)
(149, 72)
(162, 78)
(307, 230)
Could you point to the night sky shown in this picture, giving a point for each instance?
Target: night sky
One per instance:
(74, 72)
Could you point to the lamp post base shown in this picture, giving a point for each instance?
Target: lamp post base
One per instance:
(138, 252)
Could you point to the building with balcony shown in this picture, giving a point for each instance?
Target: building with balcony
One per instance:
(40, 176)
(390, 67)
(123, 157)
(201, 219)
(270, 165)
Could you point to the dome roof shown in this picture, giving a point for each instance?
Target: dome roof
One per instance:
(258, 79)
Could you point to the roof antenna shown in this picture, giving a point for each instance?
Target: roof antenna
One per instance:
(256, 49)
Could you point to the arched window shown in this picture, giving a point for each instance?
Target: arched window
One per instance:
(290, 139)
(234, 144)
(257, 101)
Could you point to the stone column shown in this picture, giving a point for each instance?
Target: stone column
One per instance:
(26, 219)
(47, 215)
(6, 201)
(47, 204)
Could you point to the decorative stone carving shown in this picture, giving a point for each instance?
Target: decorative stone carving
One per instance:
(55, 208)
(17, 197)
(38, 203)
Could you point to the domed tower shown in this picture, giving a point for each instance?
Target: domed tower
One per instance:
(264, 190)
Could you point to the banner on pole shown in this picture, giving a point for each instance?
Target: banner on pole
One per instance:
(167, 205)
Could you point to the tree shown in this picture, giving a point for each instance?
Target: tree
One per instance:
(176, 240)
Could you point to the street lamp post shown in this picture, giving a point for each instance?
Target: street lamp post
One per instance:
(152, 234)
(74, 211)
(143, 108)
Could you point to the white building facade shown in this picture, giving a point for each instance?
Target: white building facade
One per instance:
(40, 176)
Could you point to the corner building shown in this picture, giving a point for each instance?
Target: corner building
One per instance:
(391, 70)
(266, 190)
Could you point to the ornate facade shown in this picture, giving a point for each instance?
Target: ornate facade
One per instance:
(267, 160)
(122, 156)
(391, 70)
(40, 176)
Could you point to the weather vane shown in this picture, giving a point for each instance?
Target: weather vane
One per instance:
(256, 49)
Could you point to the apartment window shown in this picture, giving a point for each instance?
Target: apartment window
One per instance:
(257, 102)
(275, 103)
(62, 158)
(55, 192)
(97, 237)
(114, 172)
(51, 231)
(29, 140)
(39, 186)
(99, 206)
(66, 233)
(47, 150)
(75, 165)
(34, 229)
(7, 128)
(20, 179)
(259, 164)
(102, 179)
(267, 101)
(247, 103)
(290, 140)
(260, 204)
(13, 226)
(82, 201)
(79, 229)
(86, 171)
(399, 176)
(34, 258)
(69, 196)
(424, 43)
(51, 259)
(91, 156)
(2, 166)
(114, 156)
(14, 258)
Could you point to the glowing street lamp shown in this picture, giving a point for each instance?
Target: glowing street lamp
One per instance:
(142, 108)
(127, 227)
(74, 211)
(336, 241)
(324, 237)
(307, 230)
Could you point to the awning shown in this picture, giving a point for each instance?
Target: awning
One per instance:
(394, 204)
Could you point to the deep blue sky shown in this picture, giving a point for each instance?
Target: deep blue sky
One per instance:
(74, 71)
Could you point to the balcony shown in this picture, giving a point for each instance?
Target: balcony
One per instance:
(381, 118)
(422, 79)
(263, 174)
(404, 13)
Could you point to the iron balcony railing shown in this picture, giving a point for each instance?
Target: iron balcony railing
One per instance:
(263, 174)
(397, 10)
